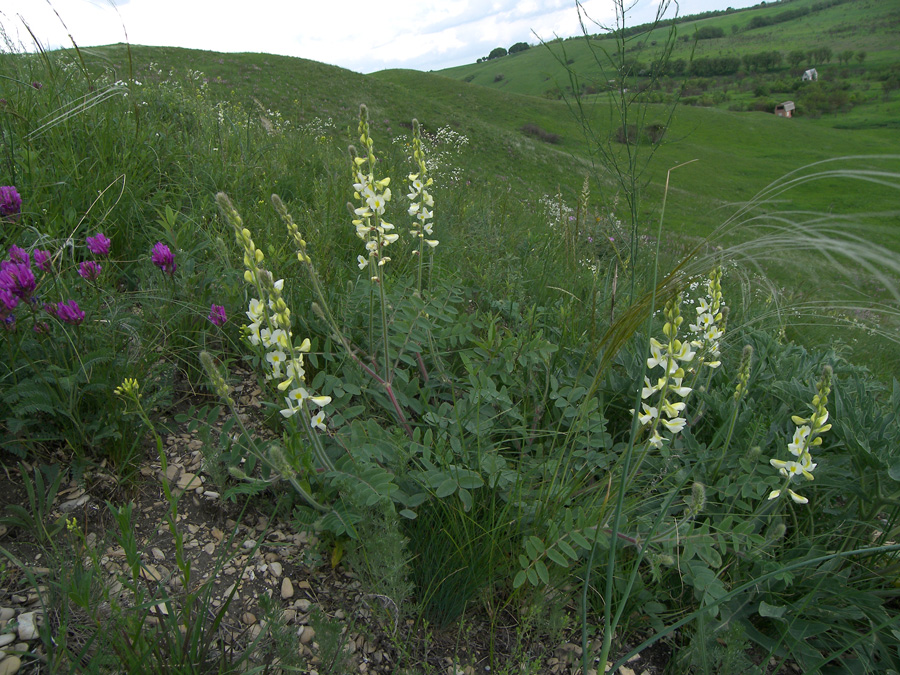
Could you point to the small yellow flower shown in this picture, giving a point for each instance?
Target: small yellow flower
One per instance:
(129, 387)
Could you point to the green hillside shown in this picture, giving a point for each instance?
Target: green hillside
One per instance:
(845, 28)
(302, 90)
(738, 153)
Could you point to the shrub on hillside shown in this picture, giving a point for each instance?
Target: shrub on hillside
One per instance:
(534, 130)
(709, 33)
(710, 66)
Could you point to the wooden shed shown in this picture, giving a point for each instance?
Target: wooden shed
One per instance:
(785, 109)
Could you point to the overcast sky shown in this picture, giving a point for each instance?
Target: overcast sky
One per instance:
(363, 36)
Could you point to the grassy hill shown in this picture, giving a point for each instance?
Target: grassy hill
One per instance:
(738, 153)
(851, 26)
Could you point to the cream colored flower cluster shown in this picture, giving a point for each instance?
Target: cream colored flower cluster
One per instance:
(270, 327)
(666, 411)
(807, 435)
(710, 322)
(421, 202)
(372, 196)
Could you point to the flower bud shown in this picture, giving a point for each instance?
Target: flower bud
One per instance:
(698, 496)
(237, 473)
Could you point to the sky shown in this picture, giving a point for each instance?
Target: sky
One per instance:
(363, 36)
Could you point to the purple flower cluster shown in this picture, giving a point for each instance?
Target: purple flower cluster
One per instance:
(17, 282)
(217, 315)
(19, 255)
(69, 312)
(17, 278)
(10, 201)
(42, 260)
(98, 245)
(163, 258)
(89, 270)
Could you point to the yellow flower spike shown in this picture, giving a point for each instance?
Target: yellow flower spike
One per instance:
(259, 256)
(807, 435)
(129, 387)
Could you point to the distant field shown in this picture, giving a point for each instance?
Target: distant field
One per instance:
(853, 25)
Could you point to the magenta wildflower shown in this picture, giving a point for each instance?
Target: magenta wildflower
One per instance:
(89, 270)
(99, 244)
(8, 301)
(17, 254)
(37, 85)
(217, 315)
(17, 278)
(69, 312)
(42, 259)
(162, 257)
(10, 201)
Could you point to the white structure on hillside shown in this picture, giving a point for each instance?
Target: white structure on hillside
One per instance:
(785, 109)
(810, 75)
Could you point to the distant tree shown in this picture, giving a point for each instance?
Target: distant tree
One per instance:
(713, 66)
(845, 56)
(762, 60)
(519, 47)
(497, 52)
(860, 56)
(677, 67)
(825, 54)
(796, 57)
(708, 33)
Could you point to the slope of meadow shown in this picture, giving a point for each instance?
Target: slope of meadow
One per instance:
(487, 417)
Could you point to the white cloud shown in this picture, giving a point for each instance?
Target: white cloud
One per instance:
(356, 34)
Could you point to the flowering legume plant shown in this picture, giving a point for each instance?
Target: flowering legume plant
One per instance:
(67, 333)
